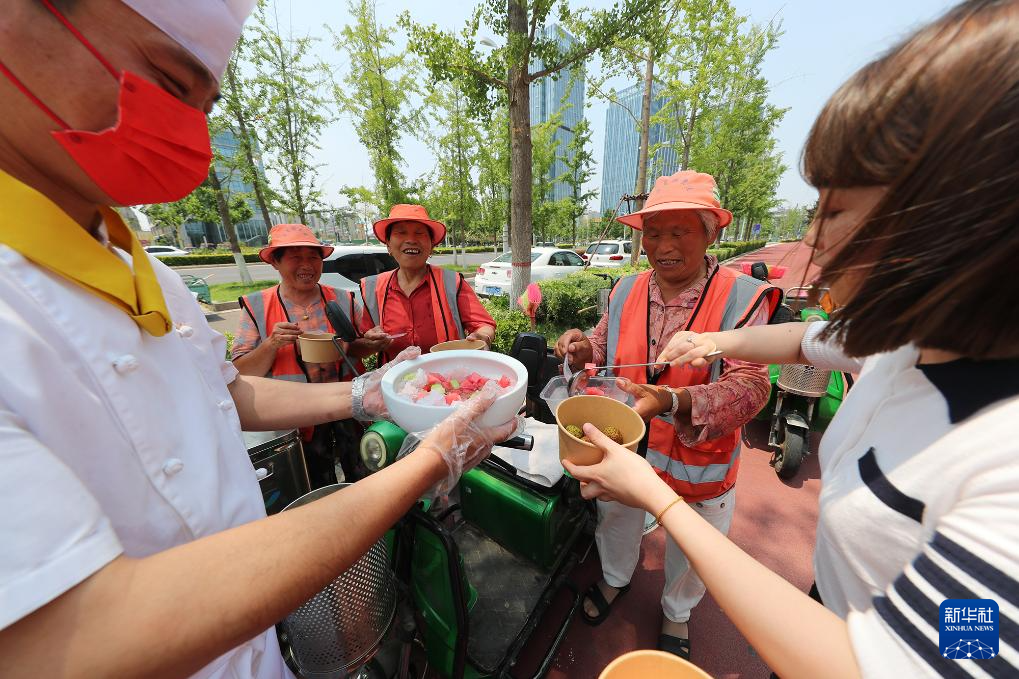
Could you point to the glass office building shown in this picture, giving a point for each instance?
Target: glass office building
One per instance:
(550, 95)
(622, 141)
(253, 231)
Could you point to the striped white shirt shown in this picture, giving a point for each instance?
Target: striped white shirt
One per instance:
(919, 503)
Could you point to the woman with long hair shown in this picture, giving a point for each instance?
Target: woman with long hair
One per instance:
(916, 234)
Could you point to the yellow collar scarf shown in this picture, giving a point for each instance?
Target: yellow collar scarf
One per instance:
(33, 225)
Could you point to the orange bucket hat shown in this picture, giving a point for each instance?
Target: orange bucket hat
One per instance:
(686, 190)
(410, 213)
(291, 236)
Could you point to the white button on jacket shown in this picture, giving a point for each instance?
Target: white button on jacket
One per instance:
(125, 364)
(113, 441)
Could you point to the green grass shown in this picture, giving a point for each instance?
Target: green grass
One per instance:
(228, 292)
(461, 269)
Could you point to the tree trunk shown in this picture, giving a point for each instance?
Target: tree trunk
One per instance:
(691, 122)
(520, 157)
(645, 134)
(228, 225)
(242, 126)
(576, 216)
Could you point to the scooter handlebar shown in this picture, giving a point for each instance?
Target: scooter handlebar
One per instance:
(522, 442)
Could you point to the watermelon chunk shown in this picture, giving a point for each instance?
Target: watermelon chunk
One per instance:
(593, 391)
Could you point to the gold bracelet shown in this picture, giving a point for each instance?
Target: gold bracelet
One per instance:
(658, 519)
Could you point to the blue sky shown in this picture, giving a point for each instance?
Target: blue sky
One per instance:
(824, 43)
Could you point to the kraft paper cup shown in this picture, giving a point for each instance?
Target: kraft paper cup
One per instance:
(601, 411)
(318, 348)
(455, 345)
(646, 664)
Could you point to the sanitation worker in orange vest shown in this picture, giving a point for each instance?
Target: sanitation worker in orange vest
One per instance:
(266, 343)
(419, 304)
(694, 416)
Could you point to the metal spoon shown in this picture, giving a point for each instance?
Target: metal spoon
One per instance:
(573, 381)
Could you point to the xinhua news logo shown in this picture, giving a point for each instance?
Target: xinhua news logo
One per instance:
(969, 629)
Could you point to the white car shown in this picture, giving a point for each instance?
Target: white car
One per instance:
(610, 253)
(546, 263)
(348, 264)
(165, 251)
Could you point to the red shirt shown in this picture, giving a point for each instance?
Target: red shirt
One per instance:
(418, 308)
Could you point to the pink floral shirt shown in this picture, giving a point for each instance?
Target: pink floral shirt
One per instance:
(720, 407)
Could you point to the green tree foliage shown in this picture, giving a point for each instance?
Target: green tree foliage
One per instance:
(493, 175)
(454, 196)
(716, 106)
(238, 110)
(289, 85)
(636, 59)
(579, 170)
(736, 143)
(375, 93)
(455, 57)
(543, 156)
(201, 205)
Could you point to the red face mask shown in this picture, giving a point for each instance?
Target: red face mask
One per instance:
(158, 151)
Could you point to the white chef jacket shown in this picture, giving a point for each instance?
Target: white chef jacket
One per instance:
(113, 441)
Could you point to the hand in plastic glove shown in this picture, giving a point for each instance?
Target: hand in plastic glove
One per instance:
(459, 440)
(621, 476)
(366, 391)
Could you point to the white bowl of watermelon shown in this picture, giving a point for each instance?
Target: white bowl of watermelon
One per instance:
(424, 391)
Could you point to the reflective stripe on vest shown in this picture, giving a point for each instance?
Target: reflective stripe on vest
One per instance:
(729, 299)
(373, 293)
(691, 473)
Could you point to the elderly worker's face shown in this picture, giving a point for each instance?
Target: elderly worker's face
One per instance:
(410, 243)
(58, 69)
(300, 268)
(675, 243)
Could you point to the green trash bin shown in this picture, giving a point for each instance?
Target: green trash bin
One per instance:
(198, 286)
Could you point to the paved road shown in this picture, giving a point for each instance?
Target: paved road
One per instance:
(228, 273)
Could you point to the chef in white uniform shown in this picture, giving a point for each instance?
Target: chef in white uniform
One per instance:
(136, 539)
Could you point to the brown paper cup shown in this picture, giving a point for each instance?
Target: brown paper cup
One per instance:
(459, 344)
(318, 348)
(601, 411)
(657, 664)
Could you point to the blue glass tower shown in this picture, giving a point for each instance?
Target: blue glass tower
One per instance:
(551, 95)
(254, 230)
(622, 142)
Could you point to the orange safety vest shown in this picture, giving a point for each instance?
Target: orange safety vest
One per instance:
(729, 300)
(393, 318)
(266, 310)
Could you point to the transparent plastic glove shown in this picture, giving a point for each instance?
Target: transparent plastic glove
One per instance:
(460, 441)
(366, 391)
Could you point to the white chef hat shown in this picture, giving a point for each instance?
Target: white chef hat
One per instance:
(207, 28)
